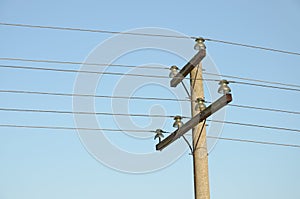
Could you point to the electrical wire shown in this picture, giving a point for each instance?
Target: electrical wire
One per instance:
(78, 63)
(188, 143)
(253, 46)
(182, 37)
(94, 30)
(149, 35)
(96, 96)
(146, 67)
(265, 109)
(137, 75)
(256, 125)
(266, 86)
(143, 115)
(85, 113)
(80, 71)
(90, 72)
(73, 128)
(140, 98)
(140, 131)
(251, 79)
(254, 141)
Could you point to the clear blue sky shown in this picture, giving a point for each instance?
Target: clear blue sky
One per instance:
(48, 164)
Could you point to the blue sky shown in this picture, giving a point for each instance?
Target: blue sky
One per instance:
(41, 163)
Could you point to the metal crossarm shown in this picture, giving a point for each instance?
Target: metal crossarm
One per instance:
(188, 68)
(214, 107)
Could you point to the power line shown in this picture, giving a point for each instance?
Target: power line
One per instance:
(141, 131)
(75, 63)
(78, 63)
(86, 113)
(96, 96)
(256, 125)
(144, 115)
(73, 128)
(79, 71)
(254, 141)
(135, 66)
(253, 46)
(94, 30)
(88, 95)
(139, 98)
(265, 109)
(253, 80)
(135, 75)
(90, 72)
(149, 35)
(266, 86)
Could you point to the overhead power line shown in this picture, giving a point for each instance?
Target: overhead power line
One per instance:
(73, 128)
(143, 115)
(90, 72)
(141, 131)
(96, 96)
(265, 109)
(136, 75)
(256, 125)
(136, 66)
(94, 30)
(148, 35)
(254, 141)
(265, 86)
(139, 98)
(253, 80)
(79, 63)
(253, 46)
(86, 113)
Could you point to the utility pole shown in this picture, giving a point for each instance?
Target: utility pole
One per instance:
(199, 116)
(200, 156)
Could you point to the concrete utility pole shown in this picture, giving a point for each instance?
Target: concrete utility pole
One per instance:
(199, 116)
(200, 157)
